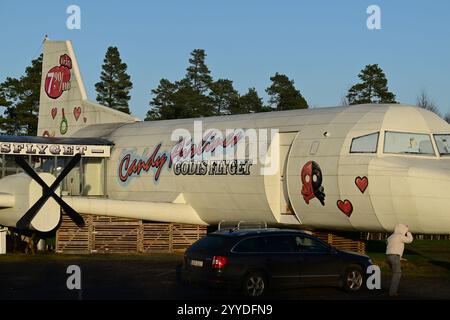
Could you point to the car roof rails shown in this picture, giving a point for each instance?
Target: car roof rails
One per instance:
(241, 225)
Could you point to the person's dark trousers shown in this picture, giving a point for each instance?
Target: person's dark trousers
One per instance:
(394, 263)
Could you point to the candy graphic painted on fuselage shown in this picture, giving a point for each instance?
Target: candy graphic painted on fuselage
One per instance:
(63, 126)
(57, 79)
(132, 165)
(186, 158)
(311, 176)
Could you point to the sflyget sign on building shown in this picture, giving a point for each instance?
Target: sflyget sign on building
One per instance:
(40, 146)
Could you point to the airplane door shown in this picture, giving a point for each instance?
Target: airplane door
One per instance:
(286, 140)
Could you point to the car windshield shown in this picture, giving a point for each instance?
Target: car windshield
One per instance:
(408, 143)
(443, 143)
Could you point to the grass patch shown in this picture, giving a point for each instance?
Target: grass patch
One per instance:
(425, 258)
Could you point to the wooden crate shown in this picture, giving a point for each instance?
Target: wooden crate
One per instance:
(71, 239)
(183, 235)
(111, 235)
(343, 241)
(118, 235)
(157, 237)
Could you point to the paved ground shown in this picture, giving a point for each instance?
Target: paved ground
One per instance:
(153, 277)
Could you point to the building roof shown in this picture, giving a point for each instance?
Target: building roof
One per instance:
(56, 140)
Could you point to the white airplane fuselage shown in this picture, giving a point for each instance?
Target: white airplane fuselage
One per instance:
(358, 168)
(362, 191)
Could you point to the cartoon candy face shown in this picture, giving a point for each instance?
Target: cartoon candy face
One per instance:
(311, 176)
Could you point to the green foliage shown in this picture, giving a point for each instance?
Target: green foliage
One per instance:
(224, 98)
(115, 84)
(198, 95)
(251, 102)
(284, 95)
(198, 73)
(187, 98)
(372, 88)
(20, 98)
(177, 100)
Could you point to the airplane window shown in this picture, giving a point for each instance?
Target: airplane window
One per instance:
(443, 143)
(365, 144)
(408, 143)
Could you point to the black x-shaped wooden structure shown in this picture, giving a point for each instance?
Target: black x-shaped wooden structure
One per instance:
(47, 192)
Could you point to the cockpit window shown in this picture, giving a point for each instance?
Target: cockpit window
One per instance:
(408, 143)
(443, 143)
(365, 144)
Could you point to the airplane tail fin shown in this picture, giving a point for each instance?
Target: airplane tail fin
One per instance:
(63, 104)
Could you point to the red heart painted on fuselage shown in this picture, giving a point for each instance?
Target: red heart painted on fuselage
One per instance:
(345, 206)
(362, 183)
(77, 112)
(54, 112)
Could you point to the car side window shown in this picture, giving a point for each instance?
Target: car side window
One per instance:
(250, 245)
(306, 244)
(278, 244)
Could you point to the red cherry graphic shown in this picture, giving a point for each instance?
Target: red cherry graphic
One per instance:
(362, 183)
(345, 206)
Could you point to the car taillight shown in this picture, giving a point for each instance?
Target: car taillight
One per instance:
(218, 262)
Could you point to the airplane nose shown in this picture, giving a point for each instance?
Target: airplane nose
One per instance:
(430, 194)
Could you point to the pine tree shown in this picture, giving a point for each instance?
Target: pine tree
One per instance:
(284, 95)
(177, 100)
(162, 106)
(251, 102)
(224, 98)
(115, 84)
(187, 98)
(190, 103)
(20, 97)
(198, 72)
(372, 88)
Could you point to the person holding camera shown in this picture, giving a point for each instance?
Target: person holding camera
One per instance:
(394, 252)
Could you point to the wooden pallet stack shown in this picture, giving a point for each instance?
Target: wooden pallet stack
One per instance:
(343, 241)
(118, 235)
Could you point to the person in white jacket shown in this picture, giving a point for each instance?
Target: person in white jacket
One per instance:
(394, 252)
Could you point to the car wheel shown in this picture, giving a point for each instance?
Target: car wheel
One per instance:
(255, 285)
(353, 279)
